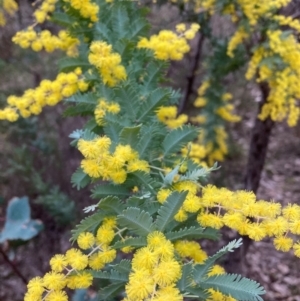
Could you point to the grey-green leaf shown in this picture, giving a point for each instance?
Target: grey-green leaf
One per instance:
(88, 224)
(178, 138)
(130, 135)
(236, 286)
(201, 270)
(137, 221)
(18, 223)
(169, 209)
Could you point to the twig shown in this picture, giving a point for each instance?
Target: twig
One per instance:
(13, 266)
(191, 76)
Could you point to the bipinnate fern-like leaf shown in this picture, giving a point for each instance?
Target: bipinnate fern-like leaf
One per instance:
(186, 233)
(236, 286)
(80, 109)
(151, 136)
(144, 179)
(120, 20)
(186, 277)
(112, 275)
(86, 98)
(112, 130)
(111, 204)
(177, 138)
(201, 270)
(108, 292)
(124, 266)
(157, 98)
(104, 190)
(136, 242)
(199, 173)
(128, 98)
(80, 179)
(169, 209)
(68, 64)
(168, 179)
(130, 135)
(88, 224)
(138, 221)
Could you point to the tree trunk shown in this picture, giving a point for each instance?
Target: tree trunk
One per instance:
(256, 158)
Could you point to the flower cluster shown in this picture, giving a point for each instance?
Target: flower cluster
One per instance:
(239, 36)
(275, 60)
(7, 7)
(69, 270)
(107, 63)
(282, 75)
(47, 93)
(225, 111)
(213, 138)
(258, 219)
(196, 152)
(104, 106)
(100, 163)
(190, 250)
(192, 203)
(86, 8)
(168, 116)
(168, 45)
(287, 21)
(44, 40)
(155, 271)
(253, 11)
(42, 13)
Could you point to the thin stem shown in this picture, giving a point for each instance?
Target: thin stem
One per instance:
(157, 168)
(13, 266)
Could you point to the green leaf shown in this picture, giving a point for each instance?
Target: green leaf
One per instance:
(127, 96)
(140, 177)
(69, 64)
(212, 234)
(130, 135)
(236, 286)
(201, 270)
(62, 19)
(138, 28)
(101, 31)
(120, 20)
(88, 224)
(178, 138)
(112, 275)
(112, 130)
(198, 173)
(111, 204)
(156, 99)
(18, 223)
(86, 98)
(154, 71)
(124, 266)
(140, 222)
(110, 291)
(104, 190)
(169, 209)
(186, 233)
(202, 293)
(80, 179)
(80, 109)
(151, 137)
(168, 179)
(136, 242)
(185, 280)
